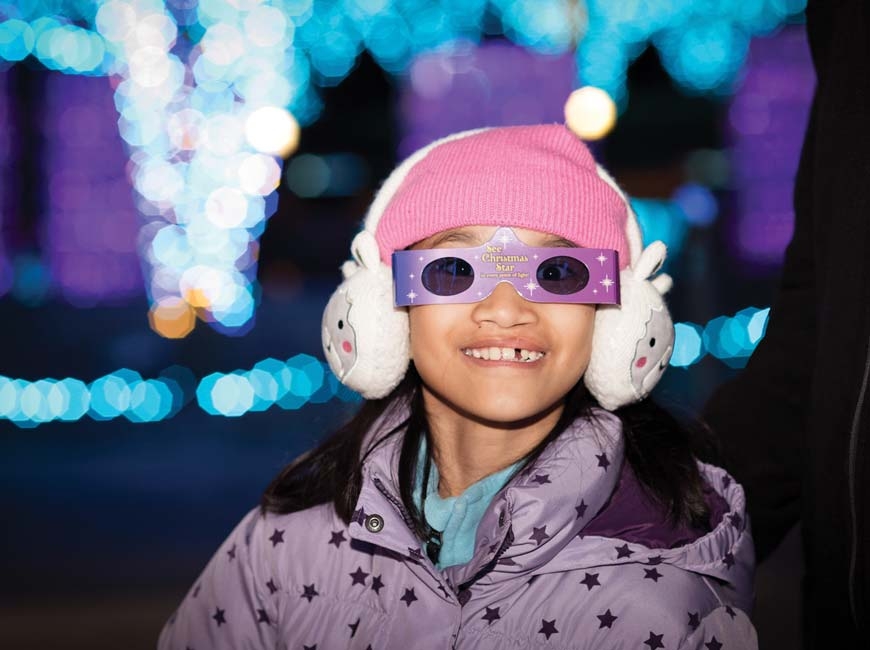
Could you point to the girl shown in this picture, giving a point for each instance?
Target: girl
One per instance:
(512, 487)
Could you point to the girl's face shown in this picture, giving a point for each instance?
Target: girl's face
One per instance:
(504, 360)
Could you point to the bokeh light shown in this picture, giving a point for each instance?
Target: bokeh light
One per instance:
(172, 317)
(590, 112)
(210, 95)
(697, 203)
(272, 130)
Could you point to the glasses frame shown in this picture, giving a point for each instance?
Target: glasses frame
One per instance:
(506, 258)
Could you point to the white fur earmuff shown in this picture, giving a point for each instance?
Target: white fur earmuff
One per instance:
(365, 337)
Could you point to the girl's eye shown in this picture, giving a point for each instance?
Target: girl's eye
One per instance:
(556, 272)
(652, 342)
(563, 275)
(448, 276)
(341, 324)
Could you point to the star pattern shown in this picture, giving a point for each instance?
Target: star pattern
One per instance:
(415, 553)
(539, 535)
(607, 283)
(590, 580)
(277, 538)
(623, 551)
(359, 516)
(409, 597)
(491, 615)
(309, 592)
(652, 574)
(548, 628)
(336, 538)
(358, 577)
(618, 576)
(607, 619)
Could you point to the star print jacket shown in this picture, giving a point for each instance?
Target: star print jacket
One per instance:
(569, 555)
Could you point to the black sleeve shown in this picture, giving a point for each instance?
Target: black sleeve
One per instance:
(760, 417)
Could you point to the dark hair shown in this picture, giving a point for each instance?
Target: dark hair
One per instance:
(657, 446)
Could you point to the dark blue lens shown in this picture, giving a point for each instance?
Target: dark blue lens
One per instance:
(563, 275)
(447, 276)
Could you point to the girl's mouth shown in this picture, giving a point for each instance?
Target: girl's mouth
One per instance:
(519, 355)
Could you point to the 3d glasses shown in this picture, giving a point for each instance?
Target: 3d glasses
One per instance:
(439, 276)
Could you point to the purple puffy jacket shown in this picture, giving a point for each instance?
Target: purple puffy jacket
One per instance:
(569, 554)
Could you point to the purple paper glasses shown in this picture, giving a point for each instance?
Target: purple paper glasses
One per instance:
(438, 276)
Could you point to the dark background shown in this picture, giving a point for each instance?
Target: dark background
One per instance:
(106, 524)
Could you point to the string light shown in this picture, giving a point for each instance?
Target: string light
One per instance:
(201, 88)
(290, 384)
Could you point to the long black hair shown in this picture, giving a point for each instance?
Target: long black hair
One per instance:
(657, 446)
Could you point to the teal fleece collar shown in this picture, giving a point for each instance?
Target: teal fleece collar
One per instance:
(456, 518)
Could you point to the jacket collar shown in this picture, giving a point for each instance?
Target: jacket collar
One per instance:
(528, 522)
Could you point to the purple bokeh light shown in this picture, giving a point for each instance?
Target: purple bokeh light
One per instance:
(472, 86)
(91, 226)
(766, 123)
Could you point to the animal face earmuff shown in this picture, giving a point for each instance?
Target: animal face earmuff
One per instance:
(366, 338)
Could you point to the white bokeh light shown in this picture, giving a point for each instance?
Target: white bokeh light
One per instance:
(259, 174)
(226, 207)
(590, 112)
(272, 130)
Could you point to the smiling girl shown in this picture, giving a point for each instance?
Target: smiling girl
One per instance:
(507, 483)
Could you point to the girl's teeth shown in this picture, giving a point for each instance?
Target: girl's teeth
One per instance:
(503, 354)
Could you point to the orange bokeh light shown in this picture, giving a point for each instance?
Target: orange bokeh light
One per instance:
(172, 318)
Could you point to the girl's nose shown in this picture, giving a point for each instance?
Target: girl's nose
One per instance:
(504, 307)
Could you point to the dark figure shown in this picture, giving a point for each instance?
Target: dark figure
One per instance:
(795, 424)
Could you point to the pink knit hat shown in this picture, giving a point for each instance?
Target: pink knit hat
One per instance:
(537, 177)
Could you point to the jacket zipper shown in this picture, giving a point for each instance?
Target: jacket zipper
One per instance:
(853, 507)
(489, 566)
(396, 503)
